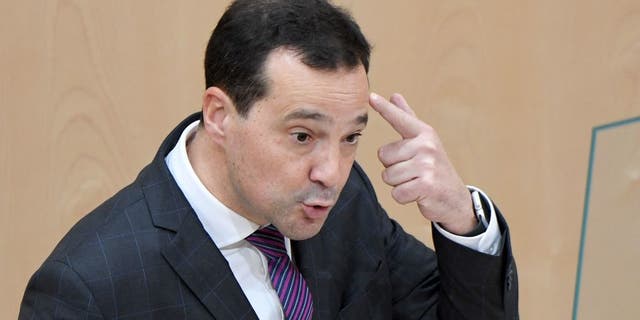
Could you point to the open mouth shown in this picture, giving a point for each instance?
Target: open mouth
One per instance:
(315, 211)
(318, 203)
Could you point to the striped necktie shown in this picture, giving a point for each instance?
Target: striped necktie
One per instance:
(285, 277)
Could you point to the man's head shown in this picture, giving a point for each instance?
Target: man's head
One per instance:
(286, 100)
(324, 36)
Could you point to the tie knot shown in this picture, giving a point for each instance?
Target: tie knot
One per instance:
(269, 241)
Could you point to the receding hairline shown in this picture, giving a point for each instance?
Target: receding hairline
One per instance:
(297, 57)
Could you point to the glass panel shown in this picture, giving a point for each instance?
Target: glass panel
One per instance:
(608, 279)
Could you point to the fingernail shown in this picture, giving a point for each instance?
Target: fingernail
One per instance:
(374, 96)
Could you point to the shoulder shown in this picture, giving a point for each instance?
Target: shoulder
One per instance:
(358, 183)
(357, 206)
(83, 259)
(93, 235)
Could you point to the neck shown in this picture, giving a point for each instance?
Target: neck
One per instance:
(208, 161)
(203, 154)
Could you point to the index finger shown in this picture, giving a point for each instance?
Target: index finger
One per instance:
(398, 115)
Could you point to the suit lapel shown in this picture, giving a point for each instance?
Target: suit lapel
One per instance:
(319, 259)
(306, 261)
(195, 258)
(191, 252)
(315, 258)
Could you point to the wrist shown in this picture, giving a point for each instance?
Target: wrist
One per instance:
(479, 223)
(465, 221)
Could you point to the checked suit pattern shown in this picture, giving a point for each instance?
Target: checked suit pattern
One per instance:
(144, 254)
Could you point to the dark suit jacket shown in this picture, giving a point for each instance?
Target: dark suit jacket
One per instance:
(143, 254)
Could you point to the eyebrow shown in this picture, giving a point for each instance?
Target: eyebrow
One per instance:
(307, 114)
(362, 119)
(314, 115)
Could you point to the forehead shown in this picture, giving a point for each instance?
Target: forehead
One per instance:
(292, 84)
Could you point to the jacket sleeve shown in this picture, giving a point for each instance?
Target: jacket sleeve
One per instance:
(452, 283)
(475, 285)
(56, 291)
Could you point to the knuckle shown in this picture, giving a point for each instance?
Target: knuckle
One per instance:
(428, 129)
(424, 185)
(383, 156)
(424, 145)
(426, 165)
(396, 195)
(385, 176)
(401, 195)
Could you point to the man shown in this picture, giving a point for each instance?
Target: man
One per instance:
(198, 234)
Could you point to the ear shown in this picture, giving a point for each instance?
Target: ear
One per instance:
(217, 107)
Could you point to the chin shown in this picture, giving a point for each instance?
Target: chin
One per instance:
(301, 237)
(305, 230)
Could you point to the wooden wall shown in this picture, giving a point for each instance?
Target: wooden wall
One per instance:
(88, 89)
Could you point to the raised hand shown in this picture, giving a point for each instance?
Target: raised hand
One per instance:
(418, 169)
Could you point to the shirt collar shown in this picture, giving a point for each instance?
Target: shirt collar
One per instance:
(224, 226)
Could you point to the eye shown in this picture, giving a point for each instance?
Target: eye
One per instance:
(301, 137)
(353, 138)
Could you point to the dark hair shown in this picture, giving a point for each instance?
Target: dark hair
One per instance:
(325, 36)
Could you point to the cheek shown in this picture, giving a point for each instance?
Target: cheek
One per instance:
(269, 167)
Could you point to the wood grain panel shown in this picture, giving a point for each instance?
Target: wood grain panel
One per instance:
(85, 123)
(89, 89)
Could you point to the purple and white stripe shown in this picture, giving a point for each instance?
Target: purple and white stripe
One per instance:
(297, 303)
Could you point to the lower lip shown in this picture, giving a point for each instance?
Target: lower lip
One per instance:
(314, 212)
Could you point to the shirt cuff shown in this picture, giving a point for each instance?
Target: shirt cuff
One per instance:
(487, 242)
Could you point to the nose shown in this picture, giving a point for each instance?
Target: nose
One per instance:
(326, 166)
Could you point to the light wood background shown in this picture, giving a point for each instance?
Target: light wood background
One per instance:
(88, 89)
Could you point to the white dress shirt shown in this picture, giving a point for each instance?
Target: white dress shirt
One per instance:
(487, 242)
(228, 231)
